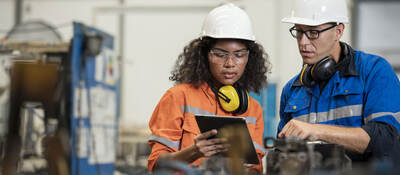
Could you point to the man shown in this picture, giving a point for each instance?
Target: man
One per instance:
(341, 96)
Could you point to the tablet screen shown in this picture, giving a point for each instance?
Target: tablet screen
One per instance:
(206, 123)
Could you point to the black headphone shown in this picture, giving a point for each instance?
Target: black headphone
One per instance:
(232, 99)
(319, 72)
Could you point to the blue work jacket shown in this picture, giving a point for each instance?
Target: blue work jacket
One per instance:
(366, 90)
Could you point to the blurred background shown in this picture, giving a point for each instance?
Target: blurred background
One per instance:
(148, 36)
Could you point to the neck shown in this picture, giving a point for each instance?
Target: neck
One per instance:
(215, 84)
(336, 52)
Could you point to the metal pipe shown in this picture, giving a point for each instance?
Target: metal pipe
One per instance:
(121, 56)
(18, 12)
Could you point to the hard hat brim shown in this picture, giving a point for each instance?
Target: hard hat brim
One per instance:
(309, 22)
(250, 38)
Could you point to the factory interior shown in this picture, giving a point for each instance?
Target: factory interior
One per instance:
(80, 80)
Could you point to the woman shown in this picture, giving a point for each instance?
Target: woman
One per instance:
(225, 54)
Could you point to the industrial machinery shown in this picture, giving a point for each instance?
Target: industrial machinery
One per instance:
(55, 109)
(295, 156)
(35, 82)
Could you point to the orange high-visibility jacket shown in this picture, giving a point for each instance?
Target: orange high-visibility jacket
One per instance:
(174, 127)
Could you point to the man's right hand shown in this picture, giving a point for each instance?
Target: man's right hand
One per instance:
(306, 131)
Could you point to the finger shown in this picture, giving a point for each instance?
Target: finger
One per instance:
(289, 131)
(204, 143)
(293, 130)
(204, 150)
(210, 150)
(221, 146)
(311, 137)
(248, 165)
(285, 128)
(207, 134)
(224, 149)
(283, 133)
(299, 132)
(223, 140)
(210, 153)
(213, 148)
(218, 140)
(215, 141)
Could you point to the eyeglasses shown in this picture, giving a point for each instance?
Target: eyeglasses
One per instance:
(311, 34)
(220, 56)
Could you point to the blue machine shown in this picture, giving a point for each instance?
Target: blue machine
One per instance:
(95, 97)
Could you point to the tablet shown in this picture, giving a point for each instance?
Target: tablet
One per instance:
(207, 122)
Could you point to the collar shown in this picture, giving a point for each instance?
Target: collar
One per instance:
(208, 92)
(346, 66)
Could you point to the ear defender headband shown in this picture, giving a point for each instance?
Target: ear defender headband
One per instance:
(232, 99)
(321, 71)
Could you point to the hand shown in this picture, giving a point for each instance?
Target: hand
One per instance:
(301, 129)
(207, 147)
(249, 170)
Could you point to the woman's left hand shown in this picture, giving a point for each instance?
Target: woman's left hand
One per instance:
(250, 170)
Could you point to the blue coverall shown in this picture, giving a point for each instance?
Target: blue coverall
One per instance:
(364, 92)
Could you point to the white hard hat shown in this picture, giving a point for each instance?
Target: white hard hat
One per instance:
(317, 12)
(228, 21)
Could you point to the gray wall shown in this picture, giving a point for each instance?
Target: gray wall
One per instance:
(378, 26)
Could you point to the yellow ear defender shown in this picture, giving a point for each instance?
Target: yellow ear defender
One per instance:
(233, 99)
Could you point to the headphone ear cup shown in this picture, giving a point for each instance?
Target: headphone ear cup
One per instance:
(234, 98)
(324, 69)
(305, 76)
(244, 100)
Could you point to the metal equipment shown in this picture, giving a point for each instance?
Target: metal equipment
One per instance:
(76, 86)
(294, 156)
(35, 77)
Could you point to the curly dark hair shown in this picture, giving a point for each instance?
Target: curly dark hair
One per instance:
(192, 65)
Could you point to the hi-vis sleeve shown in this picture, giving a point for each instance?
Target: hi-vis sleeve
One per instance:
(166, 127)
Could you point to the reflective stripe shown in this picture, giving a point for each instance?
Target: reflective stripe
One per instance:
(311, 117)
(166, 142)
(333, 114)
(251, 120)
(194, 110)
(257, 146)
(380, 114)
